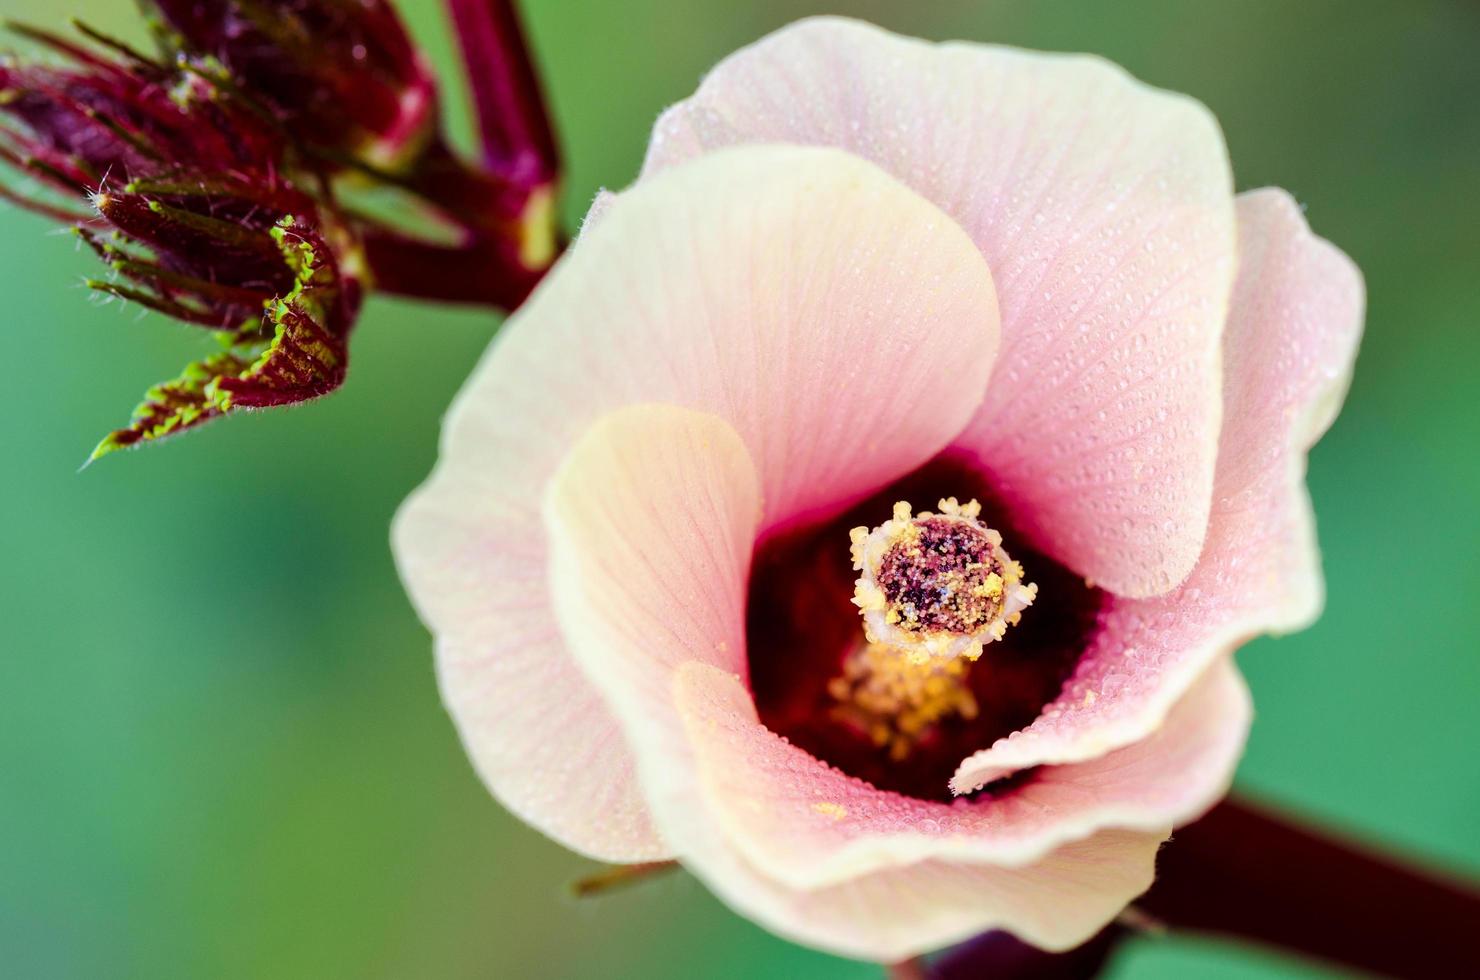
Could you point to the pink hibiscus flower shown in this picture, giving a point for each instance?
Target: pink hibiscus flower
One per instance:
(859, 270)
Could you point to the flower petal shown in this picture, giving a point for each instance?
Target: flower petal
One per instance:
(1291, 340)
(1055, 904)
(806, 825)
(890, 911)
(1104, 208)
(838, 321)
(650, 521)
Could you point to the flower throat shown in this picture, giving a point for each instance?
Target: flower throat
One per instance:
(933, 589)
(947, 660)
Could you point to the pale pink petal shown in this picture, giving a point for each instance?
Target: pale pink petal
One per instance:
(806, 825)
(1105, 210)
(1291, 340)
(599, 206)
(1055, 904)
(650, 521)
(838, 321)
(579, 788)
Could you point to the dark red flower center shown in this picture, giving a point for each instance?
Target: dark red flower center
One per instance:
(802, 626)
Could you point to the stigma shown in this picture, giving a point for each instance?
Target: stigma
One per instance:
(936, 587)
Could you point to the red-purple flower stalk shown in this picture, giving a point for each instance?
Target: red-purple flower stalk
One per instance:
(1245, 872)
(499, 258)
(517, 138)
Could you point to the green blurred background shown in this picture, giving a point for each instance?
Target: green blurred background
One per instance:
(221, 746)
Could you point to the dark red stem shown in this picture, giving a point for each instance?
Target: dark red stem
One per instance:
(482, 202)
(517, 138)
(482, 271)
(1246, 873)
(998, 956)
(504, 207)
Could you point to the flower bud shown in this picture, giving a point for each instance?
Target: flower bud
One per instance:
(213, 176)
(343, 76)
(101, 119)
(281, 298)
(195, 216)
(350, 89)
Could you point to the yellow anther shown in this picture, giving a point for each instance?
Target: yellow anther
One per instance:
(895, 699)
